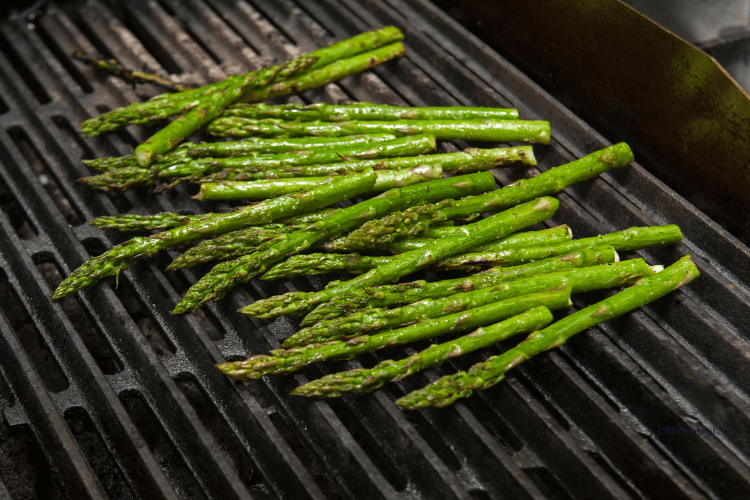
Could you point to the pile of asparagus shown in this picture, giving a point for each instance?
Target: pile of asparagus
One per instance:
(296, 161)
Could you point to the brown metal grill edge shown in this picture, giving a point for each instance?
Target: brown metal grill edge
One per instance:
(581, 422)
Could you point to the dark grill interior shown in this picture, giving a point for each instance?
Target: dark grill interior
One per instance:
(105, 394)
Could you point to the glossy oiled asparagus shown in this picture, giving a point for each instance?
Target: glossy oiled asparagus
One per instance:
(446, 390)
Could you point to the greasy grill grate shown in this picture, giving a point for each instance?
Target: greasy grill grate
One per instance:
(122, 399)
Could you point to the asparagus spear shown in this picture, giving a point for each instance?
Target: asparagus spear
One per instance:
(633, 238)
(318, 263)
(491, 228)
(190, 168)
(580, 280)
(491, 130)
(114, 67)
(228, 274)
(412, 221)
(446, 390)
(166, 105)
(551, 236)
(124, 255)
(368, 379)
(365, 111)
(245, 147)
(464, 162)
(406, 293)
(166, 220)
(211, 106)
(290, 360)
(497, 254)
(258, 190)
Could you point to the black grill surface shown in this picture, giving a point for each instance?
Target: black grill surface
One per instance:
(105, 394)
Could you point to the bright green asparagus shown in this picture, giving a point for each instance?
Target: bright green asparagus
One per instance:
(166, 105)
(246, 147)
(446, 390)
(228, 274)
(405, 293)
(212, 105)
(365, 111)
(166, 220)
(412, 221)
(463, 162)
(259, 190)
(187, 168)
(579, 280)
(497, 254)
(491, 228)
(364, 380)
(469, 130)
(551, 236)
(290, 360)
(318, 263)
(122, 256)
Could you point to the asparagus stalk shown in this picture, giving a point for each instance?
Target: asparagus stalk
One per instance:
(368, 379)
(166, 105)
(498, 254)
(481, 376)
(124, 255)
(246, 147)
(491, 228)
(407, 293)
(633, 238)
(551, 236)
(365, 111)
(412, 221)
(211, 106)
(166, 220)
(114, 67)
(579, 280)
(195, 168)
(318, 263)
(228, 274)
(290, 360)
(259, 190)
(491, 130)
(464, 162)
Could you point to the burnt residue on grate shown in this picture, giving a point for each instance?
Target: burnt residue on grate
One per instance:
(106, 394)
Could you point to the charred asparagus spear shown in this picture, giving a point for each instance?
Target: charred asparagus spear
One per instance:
(446, 390)
(122, 256)
(368, 379)
(491, 228)
(406, 293)
(228, 274)
(259, 190)
(579, 280)
(491, 130)
(497, 254)
(290, 360)
(365, 111)
(411, 222)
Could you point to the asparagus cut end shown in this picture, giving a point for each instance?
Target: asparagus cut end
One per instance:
(656, 269)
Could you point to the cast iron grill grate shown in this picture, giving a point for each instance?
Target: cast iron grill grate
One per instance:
(122, 399)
